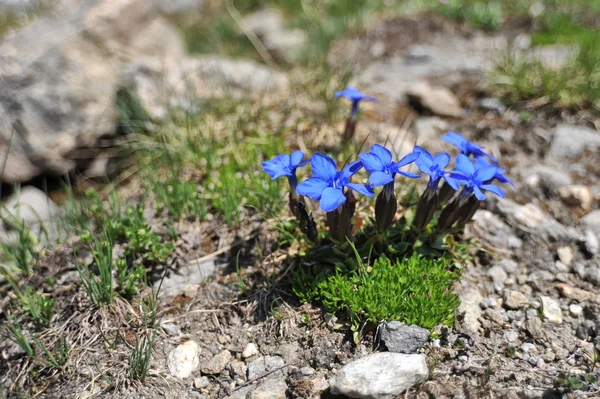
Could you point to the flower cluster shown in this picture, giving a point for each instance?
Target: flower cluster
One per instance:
(333, 188)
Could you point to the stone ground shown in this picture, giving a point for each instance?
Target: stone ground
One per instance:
(530, 298)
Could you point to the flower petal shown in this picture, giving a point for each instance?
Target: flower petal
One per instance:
(296, 157)
(464, 165)
(323, 167)
(350, 170)
(273, 169)
(452, 182)
(312, 188)
(364, 189)
(485, 173)
(424, 158)
(380, 178)
(494, 189)
(408, 174)
(371, 162)
(331, 199)
(410, 158)
(478, 193)
(455, 139)
(441, 160)
(382, 153)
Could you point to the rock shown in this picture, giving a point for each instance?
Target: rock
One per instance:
(217, 363)
(264, 365)
(439, 100)
(250, 350)
(586, 329)
(551, 310)
(403, 338)
(430, 128)
(570, 141)
(177, 281)
(264, 21)
(202, 382)
(184, 360)
(29, 206)
(492, 229)
(270, 389)
(533, 325)
(487, 303)
(18, 6)
(498, 276)
(496, 316)
(548, 177)
(171, 329)
(511, 336)
(575, 293)
(492, 105)
(469, 305)
(419, 53)
(565, 254)
(528, 347)
(238, 368)
(61, 93)
(590, 242)
(577, 196)
(591, 222)
(380, 376)
(178, 7)
(575, 310)
(515, 300)
(592, 275)
(509, 266)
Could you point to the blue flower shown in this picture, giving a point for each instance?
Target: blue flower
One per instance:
(465, 146)
(352, 94)
(434, 167)
(475, 179)
(327, 184)
(481, 162)
(378, 162)
(285, 165)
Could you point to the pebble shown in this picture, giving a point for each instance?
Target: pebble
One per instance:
(577, 196)
(560, 267)
(586, 329)
(498, 276)
(568, 291)
(171, 329)
(382, 375)
(534, 328)
(590, 242)
(575, 310)
(492, 105)
(264, 365)
(469, 305)
(201, 382)
(488, 302)
(551, 310)
(307, 371)
(250, 350)
(238, 368)
(528, 347)
(511, 336)
(217, 363)
(403, 338)
(515, 300)
(565, 254)
(495, 315)
(270, 389)
(592, 222)
(509, 266)
(592, 275)
(184, 360)
(540, 275)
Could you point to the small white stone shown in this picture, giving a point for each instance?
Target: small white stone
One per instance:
(575, 310)
(250, 350)
(528, 347)
(565, 254)
(184, 360)
(551, 310)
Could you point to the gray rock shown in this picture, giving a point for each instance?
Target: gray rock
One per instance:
(469, 305)
(592, 275)
(380, 376)
(264, 365)
(420, 53)
(178, 7)
(61, 92)
(270, 389)
(439, 100)
(18, 6)
(591, 244)
(511, 336)
(171, 329)
(515, 300)
(528, 347)
(498, 276)
(217, 363)
(492, 105)
(548, 177)
(586, 329)
(509, 266)
(570, 141)
(176, 281)
(591, 222)
(238, 368)
(29, 206)
(492, 229)
(202, 382)
(533, 325)
(403, 338)
(184, 360)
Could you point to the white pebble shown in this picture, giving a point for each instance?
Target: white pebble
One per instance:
(250, 350)
(575, 310)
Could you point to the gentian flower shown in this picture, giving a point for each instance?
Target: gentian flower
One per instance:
(285, 165)
(481, 162)
(465, 146)
(475, 179)
(433, 166)
(327, 184)
(352, 94)
(378, 162)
